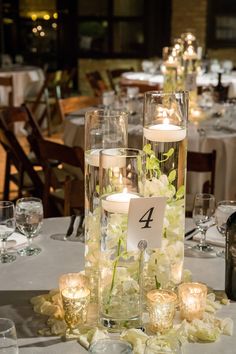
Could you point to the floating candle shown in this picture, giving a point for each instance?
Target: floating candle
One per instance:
(164, 132)
(118, 202)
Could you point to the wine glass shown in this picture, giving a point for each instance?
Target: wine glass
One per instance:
(203, 214)
(29, 218)
(7, 227)
(223, 211)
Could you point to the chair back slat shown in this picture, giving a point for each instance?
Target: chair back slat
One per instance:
(97, 83)
(7, 82)
(72, 104)
(115, 74)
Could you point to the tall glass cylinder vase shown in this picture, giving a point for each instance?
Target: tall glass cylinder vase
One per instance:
(121, 179)
(103, 129)
(165, 118)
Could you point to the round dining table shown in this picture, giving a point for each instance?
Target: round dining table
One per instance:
(27, 80)
(31, 276)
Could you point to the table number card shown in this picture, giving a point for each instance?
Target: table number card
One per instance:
(145, 221)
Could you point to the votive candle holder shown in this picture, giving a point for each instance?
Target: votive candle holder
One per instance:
(161, 307)
(192, 300)
(75, 296)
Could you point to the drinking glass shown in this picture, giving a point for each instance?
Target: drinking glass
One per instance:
(8, 338)
(223, 211)
(203, 214)
(108, 346)
(7, 227)
(29, 218)
(162, 345)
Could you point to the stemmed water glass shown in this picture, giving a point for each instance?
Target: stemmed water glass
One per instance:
(223, 211)
(7, 227)
(29, 218)
(203, 215)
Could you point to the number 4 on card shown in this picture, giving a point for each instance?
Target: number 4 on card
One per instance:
(145, 221)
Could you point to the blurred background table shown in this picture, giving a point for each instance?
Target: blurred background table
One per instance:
(27, 80)
(155, 81)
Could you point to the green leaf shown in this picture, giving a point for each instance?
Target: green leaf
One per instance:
(147, 149)
(172, 176)
(169, 153)
(180, 192)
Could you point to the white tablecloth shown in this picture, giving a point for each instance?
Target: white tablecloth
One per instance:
(27, 80)
(206, 79)
(29, 276)
(207, 137)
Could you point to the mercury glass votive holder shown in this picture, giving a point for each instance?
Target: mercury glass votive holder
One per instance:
(75, 296)
(161, 307)
(192, 300)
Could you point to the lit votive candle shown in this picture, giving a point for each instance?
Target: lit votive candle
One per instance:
(75, 297)
(192, 300)
(118, 202)
(161, 307)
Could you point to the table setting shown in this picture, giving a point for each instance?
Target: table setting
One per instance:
(135, 276)
(129, 284)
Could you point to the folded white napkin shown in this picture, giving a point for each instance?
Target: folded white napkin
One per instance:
(16, 240)
(213, 237)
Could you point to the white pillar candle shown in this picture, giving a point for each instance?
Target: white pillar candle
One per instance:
(164, 133)
(118, 202)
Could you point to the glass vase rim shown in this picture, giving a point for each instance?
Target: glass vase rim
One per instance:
(226, 202)
(204, 196)
(6, 203)
(196, 284)
(150, 345)
(25, 199)
(11, 323)
(173, 300)
(139, 152)
(107, 340)
(104, 112)
(159, 93)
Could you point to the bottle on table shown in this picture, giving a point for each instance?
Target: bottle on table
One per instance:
(230, 258)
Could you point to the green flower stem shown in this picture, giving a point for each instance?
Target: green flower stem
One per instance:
(114, 272)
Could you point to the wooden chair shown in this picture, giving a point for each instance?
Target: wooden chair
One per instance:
(114, 77)
(73, 189)
(202, 162)
(72, 104)
(97, 83)
(27, 179)
(7, 83)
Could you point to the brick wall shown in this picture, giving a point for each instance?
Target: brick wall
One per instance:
(189, 14)
(193, 14)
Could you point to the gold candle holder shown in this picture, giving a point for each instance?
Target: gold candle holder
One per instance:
(192, 300)
(161, 307)
(75, 296)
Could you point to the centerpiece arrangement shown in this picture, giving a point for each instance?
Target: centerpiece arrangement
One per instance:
(130, 287)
